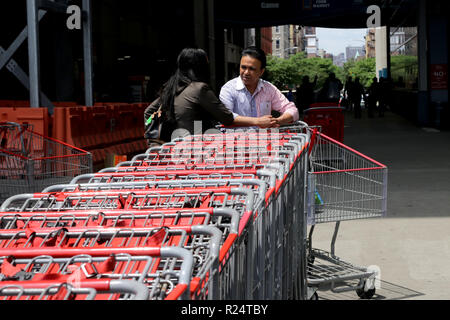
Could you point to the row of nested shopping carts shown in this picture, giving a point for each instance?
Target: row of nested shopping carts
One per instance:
(220, 216)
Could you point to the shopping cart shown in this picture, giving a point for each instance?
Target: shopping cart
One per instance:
(292, 144)
(245, 186)
(272, 173)
(329, 118)
(30, 162)
(83, 290)
(165, 271)
(343, 185)
(280, 231)
(163, 197)
(204, 242)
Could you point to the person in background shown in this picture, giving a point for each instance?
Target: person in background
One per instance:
(290, 96)
(373, 97)
(356, 96)
(348, 92)
(252, 99)
(305, 93)
(385, 89)
(331, 91)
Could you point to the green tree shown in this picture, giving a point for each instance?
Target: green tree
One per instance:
(364, 69)
(405, 67)
(285, 73)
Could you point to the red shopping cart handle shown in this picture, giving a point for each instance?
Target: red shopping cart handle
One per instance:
(176, 173)
(71, 252)
(117, 212)
(63, 195)
(98, 284)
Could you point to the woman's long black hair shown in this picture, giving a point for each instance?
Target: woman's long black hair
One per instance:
(192, 66)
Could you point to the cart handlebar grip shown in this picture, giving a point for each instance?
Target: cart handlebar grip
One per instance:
(139, 290)
(249, 197)
(186, 265)
(80, 177)
(270, 174)
(232, 214)
(9, 201)
(216, 238)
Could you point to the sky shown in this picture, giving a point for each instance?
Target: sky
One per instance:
(335, 41)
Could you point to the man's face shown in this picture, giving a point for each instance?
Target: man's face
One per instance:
(251, 71)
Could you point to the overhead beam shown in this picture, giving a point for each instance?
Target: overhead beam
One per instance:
(21, 75)
(17, 43)
(52, 6)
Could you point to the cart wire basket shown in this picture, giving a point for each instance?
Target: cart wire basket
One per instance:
(30, 162)
(343, 185)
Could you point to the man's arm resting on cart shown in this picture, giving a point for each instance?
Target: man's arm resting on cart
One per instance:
(261, 122)
(285, 119)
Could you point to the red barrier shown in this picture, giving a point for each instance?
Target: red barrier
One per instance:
(116, 128)
(331, 119)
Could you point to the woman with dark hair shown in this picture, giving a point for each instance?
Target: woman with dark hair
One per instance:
(187, 98)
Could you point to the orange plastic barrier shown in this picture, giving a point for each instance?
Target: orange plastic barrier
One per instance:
(106, 128)
(37, 117)
(103, 129)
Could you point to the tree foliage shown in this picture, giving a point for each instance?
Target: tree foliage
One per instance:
(285, 73)
(288, 73)
(364, 69)
(406, 67)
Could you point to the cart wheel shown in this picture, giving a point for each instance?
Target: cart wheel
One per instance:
(366, 295)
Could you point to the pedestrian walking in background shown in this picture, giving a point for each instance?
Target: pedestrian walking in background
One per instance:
(331, 91)
(290, 96)
(385, 95)
(347, 93)
(305, 94)
(357, 93)
(373, 97)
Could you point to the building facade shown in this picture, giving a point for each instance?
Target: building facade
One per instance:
(339, 60)
(281, 41)
(354, 53)
(312, 43)
(370, 43)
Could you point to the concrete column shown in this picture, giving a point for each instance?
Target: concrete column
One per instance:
(438, 59)
(422, 43)
(381, 35)
(200, 25)
(212, 42)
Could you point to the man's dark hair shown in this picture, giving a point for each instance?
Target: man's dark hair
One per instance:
(256, 53)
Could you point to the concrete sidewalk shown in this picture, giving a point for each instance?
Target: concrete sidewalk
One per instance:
(411, 245)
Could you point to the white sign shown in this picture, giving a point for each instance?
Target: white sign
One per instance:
(74, 21)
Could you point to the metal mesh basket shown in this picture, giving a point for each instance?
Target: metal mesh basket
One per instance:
(30, 162)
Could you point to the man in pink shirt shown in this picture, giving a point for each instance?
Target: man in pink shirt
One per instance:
(252, 99)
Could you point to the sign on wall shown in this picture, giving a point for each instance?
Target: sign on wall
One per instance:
(439, 76)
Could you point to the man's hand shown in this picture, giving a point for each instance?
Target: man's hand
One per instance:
(285, 119)
(267, 122)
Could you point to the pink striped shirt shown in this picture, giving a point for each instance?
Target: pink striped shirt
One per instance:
(235, 96)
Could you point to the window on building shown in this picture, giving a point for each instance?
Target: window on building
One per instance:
(277, 44)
